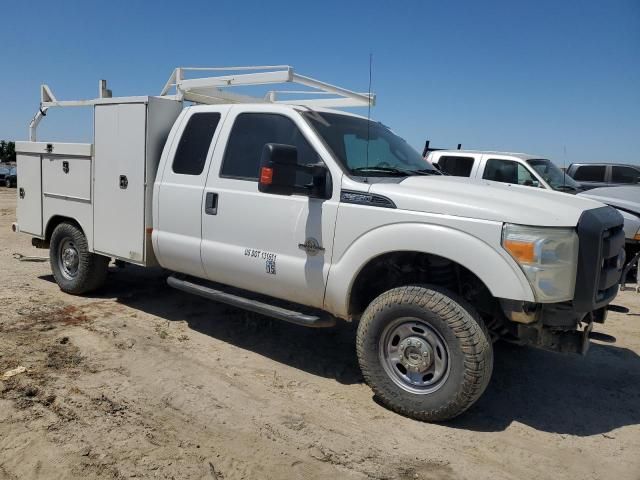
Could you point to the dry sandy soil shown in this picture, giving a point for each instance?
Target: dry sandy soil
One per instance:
(144, 381)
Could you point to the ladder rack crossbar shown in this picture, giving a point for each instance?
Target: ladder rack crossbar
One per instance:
(262, 75)
(214, 89)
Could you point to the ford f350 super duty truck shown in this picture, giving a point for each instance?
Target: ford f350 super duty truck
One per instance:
(308, 214)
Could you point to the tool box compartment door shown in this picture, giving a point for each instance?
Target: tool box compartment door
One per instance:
(119, 180)
(66, 177)
(30, 193)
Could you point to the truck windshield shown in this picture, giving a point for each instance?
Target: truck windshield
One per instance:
(556, 178)
(386, 154)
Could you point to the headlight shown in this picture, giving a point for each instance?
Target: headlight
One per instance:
(548, 257)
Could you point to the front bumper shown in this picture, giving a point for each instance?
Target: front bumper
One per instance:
(566, 326)
(557, 327)
(561, 329)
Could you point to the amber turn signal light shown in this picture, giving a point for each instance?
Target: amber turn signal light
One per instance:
(521, 251)
(266, 176)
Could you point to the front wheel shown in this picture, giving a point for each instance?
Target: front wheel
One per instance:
(7, 183)
(74, 267)
(425, 352)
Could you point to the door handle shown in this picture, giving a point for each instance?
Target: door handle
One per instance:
(211, 203)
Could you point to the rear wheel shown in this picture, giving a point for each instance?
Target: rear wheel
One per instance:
(7, 183)
(75, 269)
(425, 352)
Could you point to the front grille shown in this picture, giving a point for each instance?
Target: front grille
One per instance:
(601, 241)
(612, 246)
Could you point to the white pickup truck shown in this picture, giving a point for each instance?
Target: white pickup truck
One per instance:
(534, 171)
(505, 167)
(307, 214)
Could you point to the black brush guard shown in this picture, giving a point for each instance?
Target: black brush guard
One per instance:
(600, 263)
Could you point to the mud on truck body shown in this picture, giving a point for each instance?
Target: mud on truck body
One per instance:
(309, 214)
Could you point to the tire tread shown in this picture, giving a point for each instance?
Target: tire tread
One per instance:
(92, 270)
(467, 326)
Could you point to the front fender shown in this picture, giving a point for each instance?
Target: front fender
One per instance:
(493, 266)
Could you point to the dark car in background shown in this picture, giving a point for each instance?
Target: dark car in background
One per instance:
(4, 171)
(594, 175)
(11, 179)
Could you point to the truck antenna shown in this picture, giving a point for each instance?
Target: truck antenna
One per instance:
(426, 150)
(369, 107)
(564, 166)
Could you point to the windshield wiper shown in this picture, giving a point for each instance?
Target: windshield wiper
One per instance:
(388, 170)
(564, 188)
(426, 171)
(394, 171)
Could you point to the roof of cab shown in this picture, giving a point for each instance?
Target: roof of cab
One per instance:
(286, 106)
(522, 156)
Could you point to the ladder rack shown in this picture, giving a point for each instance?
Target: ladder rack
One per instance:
(214, 89)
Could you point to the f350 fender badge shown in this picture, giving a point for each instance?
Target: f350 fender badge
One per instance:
(311, 246)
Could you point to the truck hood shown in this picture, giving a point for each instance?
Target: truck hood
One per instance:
(486, 200)
(626, 198)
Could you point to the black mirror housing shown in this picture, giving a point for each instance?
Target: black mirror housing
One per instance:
(278, 166)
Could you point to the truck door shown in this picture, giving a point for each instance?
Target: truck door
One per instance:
(271, 244)
(178, 230)
(508, 171)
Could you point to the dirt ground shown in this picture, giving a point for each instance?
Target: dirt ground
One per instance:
(143, 381)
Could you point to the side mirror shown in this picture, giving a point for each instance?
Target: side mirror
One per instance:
(278, 169)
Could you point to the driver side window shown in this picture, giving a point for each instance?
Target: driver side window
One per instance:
(250, 133)
(625, 175)
(508, 171)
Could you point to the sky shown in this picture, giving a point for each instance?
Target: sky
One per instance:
(559, 79)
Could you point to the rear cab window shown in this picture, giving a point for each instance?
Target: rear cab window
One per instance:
(590, 173)
(191, 154)
(456, 165)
